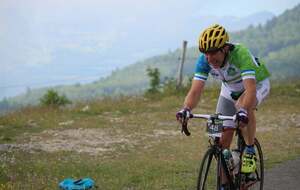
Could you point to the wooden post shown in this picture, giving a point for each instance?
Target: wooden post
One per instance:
(180, 68)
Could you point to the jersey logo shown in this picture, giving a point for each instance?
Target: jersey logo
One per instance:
(214, 74)
(231, 71)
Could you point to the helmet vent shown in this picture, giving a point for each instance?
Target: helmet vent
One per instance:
(214, 43)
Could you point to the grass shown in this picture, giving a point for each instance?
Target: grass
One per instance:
(152, 154)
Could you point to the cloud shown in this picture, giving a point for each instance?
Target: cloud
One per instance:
(91, 42)
(38, 56)
(38, 36)
(24, 50)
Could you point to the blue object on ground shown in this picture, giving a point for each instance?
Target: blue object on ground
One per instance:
(80, 184)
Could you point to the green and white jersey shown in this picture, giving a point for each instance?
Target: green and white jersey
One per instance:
(240, 65)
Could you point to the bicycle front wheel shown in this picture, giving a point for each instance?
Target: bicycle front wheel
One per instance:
(209, 177)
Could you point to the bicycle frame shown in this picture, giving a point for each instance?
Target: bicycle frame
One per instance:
(217, 151)
(235, 180)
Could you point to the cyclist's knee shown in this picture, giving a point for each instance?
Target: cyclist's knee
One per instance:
(226, 138)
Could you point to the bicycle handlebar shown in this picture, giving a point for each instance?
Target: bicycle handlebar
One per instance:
(184, 127)
(215, 116)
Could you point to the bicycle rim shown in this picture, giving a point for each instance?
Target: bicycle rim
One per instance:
(259, 173)
(208, 173)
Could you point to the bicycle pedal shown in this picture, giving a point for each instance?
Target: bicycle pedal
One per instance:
(250, 177)
(248, 180)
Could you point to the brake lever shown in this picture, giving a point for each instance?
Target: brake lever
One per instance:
(184, 128)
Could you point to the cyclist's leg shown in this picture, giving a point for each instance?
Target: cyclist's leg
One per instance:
(226, 106)
(248, 132)
(262, 90)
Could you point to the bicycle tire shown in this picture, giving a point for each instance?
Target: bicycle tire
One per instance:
(209, 177)
(259, 168)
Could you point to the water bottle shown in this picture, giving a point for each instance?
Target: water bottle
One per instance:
(236, 161)
(228, 159)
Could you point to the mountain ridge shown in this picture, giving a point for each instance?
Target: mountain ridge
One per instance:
(64, 55)
(280, 52)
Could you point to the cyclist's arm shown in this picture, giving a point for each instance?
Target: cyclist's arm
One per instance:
(194, 94)
(249, 72)
(249, 99)
(200, 76)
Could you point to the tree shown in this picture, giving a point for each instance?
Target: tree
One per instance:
(154, 76)
(51, 98)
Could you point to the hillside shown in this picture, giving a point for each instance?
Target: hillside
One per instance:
(278, 46)
(64, 52)
(130, 142)
(277, 41)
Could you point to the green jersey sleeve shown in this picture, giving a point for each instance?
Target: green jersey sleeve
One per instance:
(250, 66)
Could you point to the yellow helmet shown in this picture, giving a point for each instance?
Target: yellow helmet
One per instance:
(213, 38)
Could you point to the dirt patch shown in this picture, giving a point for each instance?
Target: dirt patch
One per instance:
(90, 141)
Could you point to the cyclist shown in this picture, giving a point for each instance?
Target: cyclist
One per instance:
(245, 84)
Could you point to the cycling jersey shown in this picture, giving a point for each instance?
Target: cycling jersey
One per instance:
(240, 65)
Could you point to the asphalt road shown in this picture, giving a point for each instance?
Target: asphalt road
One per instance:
(285, 176)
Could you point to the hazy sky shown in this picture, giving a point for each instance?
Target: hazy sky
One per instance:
(37, 35)
(245, 7)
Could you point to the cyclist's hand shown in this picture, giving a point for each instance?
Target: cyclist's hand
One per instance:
(183, 115)
(242, 116)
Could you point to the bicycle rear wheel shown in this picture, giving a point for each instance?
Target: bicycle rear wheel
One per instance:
(209, 177)
(258, 183)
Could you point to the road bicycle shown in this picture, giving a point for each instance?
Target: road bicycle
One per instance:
(214, 166)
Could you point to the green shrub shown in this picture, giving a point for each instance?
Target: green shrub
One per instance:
(52, 98)
(154, 76)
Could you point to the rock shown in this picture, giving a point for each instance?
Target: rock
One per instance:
(86, 108)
